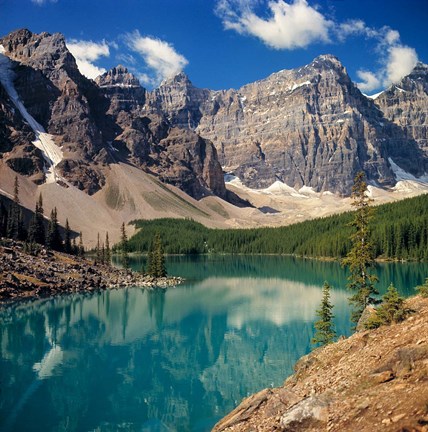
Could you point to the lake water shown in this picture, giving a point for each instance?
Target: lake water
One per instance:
(175, 360)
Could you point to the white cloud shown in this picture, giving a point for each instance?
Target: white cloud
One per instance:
(160, 57)
(369, 82)
(289, 26)
(86, 53)
(401, 60)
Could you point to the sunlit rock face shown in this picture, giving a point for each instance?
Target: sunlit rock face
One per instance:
(406, 105)
(305, 127)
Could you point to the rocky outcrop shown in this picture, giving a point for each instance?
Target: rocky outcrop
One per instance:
(374, 380)
(44, 273)
(406, 105)
(102, 122)
(305, 127)
(177, 156)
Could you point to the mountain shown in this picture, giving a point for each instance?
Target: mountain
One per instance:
(108, 150)
(304, 127)
(87, 120)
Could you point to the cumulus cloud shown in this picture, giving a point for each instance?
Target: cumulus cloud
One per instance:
(86, 53)
(396, 61)
(162, 60)
(289, 26)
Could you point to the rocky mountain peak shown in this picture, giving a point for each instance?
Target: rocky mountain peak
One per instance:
(118, 76)
(180, 79)
(42, 51)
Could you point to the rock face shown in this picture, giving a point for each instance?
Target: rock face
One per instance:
(98, 123)
(305, 127)
(406, 105)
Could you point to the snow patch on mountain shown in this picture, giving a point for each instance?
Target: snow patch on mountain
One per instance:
(44, 141)
(400, 174)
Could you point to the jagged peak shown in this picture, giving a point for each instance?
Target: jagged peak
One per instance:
(118, 76)
(328, 61)
(179, 78)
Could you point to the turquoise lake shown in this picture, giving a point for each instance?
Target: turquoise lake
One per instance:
(174, 360)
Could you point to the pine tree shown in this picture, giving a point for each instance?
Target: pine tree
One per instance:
(15, 214)
(74, 248)
(107, 252)
(423, 289)
(4, 216)
(391, 310)
(360, 258)
(98, 250)
(36, 231)
(80, 248)
(67, 238)
(124, 258)
(324, 327)
(156, 258)
(53, 237)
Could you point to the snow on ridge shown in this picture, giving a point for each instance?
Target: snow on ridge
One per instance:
(373, 96)
(401, 175)
(44, 141)
(295, 86)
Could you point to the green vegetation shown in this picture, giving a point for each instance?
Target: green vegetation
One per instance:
(156, 259)
(324, 327)
(360, 258)
(391, 310)
(393, 235)
(423, 289)
(124, 247)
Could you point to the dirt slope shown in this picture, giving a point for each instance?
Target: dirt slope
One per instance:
(373, 381)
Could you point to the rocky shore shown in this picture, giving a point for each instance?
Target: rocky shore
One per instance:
(375, 380)
(46, 273)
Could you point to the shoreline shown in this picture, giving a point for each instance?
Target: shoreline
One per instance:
(25, 276)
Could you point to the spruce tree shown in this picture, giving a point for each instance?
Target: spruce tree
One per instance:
(124, 258)
(98, 250)
(15, 214)
(36, 231)
(80, 248)
(4, 216)
(156, 258)
(67, 238)
(360, 258)
(53, 237)
(107, 251)
(324, 327)
(391, 310)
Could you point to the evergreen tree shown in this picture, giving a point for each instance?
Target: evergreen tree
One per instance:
(360, 258)
(80, 248)
(15, 222)
(98, 250)
(107, 251)
(53, 237)
(156, 258)
(67, 238)
(423, 289)
(74, 248)
(4, 216)
(124, 258)
(36, 231)
(324, 327)
(391, 310)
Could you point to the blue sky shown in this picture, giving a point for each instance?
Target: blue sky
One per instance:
(227, 43)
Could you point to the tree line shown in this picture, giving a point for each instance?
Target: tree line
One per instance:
(37, 231)
(393, 235)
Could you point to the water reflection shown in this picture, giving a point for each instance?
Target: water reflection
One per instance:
(166, 360)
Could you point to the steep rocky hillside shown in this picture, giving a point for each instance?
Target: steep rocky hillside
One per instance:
(373, 381)
(94, 125)
(406, 105)
(304, 127)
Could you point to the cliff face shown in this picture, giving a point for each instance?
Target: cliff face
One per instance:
(88, 119)
(374, 380)
(406, 105)
(305, 127)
